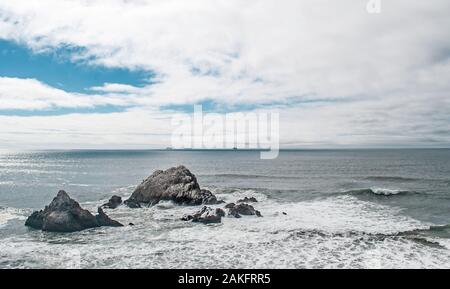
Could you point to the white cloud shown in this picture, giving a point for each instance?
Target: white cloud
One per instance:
(31, 94)
(394, 66)
(130, 129)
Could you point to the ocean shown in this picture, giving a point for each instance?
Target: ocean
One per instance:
(321, 209)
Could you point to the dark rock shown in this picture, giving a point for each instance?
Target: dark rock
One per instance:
(187, 218)
(243, 209)
(177, 184)
(206, 215)
(248, 200)
(63, 214)
(130, 224)
(35, 220)
(230, 205)
(104, 220)
(132, 204)
(220, 212)
(284, 213)
(113, 203)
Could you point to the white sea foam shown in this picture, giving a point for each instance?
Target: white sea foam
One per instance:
(385, 192)
(337, 232)
(7, 214)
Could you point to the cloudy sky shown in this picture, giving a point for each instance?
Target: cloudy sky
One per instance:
(111, 74)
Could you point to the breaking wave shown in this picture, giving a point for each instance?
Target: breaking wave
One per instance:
(336, 232)
(7, 214)
(379, 192)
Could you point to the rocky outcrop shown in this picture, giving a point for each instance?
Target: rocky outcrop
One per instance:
(104, 220)
(242, 209)
(113, 202)
(206, 215)
(64, 214)
(177, 184)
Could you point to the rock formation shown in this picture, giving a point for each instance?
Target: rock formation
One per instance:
(177, 184)
(64, 214)
(206, 215)
(104, 220)
(242, 209)
(248, 200)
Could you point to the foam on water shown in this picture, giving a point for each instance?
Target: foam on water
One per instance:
(7, 214)
(336, 232)
(385, 192)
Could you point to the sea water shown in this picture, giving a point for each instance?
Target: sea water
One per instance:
(321, 209)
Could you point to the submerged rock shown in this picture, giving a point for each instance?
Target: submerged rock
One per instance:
(206, 215)
(248, 200)
(242, 209)
(176, 184)
(64, 214)
(113, 203)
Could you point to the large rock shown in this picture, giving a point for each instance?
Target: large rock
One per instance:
(206, 215)
(64, 214)
(177, 184)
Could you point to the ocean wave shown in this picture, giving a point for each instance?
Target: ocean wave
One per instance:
(336, 232)
(8, 213)
(248, 176)
(392, 179)
(378, 191)
(364, 237)
(434, 231)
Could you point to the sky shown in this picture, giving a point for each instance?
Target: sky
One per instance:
(77, 74)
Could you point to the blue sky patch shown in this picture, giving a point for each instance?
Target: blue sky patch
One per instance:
(55, 69)
(62, 111)
(217, 107)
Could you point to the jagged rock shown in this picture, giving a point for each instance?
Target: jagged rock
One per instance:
(242, 209)
(113, 203)
(177, 184)
(248, 200)
(64, 214)
(206, 215)
(35, 220)
(104, 220)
